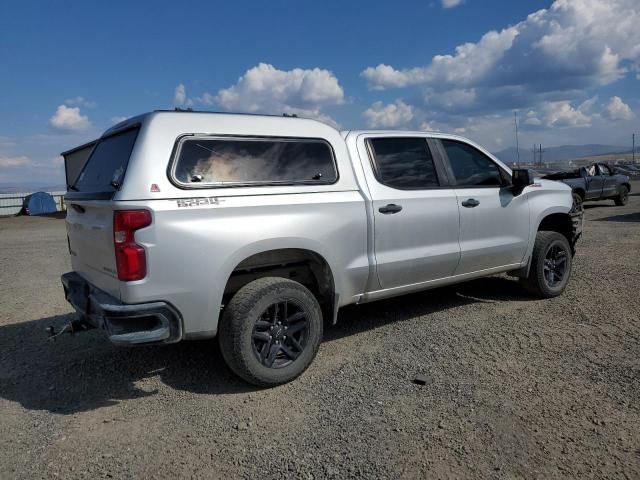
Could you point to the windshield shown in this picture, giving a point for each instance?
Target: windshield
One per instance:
(104, 171)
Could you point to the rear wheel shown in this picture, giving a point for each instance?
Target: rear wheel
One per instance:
(623, 196)
(270, 331)
(550, 265)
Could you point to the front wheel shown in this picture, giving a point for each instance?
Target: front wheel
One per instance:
(550, 265)
(577, 202)
(623, 196)
(270, 331)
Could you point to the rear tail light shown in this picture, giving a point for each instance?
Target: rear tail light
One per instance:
(131, 260)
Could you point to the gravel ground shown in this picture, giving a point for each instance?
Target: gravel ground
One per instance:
(515, 387)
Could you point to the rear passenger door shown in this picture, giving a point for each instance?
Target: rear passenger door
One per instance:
(415, 211)
(494, 223)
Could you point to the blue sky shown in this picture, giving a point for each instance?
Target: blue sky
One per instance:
(570, 68)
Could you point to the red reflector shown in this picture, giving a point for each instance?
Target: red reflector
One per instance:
(131, 260)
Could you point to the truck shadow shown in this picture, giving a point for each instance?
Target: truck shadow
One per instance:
(627, 217)
(589, 206)
(354, 319)
(84, 372)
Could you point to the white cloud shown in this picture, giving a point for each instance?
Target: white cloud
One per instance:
(531, 118)
(265, 88)
(616, 110)
(450, 3)
(563, 114)
(471, 62)
(385, 76)
(588, 104)
(79, 102)
(206, 99)
(392, 115)
(428, 127)
(550, 56)
(180, 98)
(15, 162)
(69, 119)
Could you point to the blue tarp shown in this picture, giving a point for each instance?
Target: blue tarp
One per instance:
(39, 203)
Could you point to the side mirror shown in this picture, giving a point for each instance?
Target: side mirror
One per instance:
(521, 178)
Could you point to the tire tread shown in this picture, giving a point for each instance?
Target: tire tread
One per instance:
(234, 317)
(533, 283)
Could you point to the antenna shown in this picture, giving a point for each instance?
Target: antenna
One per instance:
(515, 121)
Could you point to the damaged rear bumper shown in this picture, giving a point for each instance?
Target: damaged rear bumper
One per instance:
(125, 324)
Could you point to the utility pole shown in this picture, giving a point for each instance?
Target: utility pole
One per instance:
(515, 121)
(541, 150)
(633, 147)
(533, 150)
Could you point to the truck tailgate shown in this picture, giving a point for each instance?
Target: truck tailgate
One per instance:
(90, 231)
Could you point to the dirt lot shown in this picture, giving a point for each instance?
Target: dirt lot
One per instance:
(517, 388)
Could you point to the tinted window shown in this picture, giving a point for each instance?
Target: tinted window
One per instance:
(232, 161)
(74, 162)
(105, 168)
(471, 167)
(404, 163)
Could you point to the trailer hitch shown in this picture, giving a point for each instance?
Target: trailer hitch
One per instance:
(73, 326)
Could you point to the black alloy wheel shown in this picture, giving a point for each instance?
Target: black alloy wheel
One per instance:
(555, 264)
(280, 334)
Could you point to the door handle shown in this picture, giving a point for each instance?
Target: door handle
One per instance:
(391, 208)
(470, 203)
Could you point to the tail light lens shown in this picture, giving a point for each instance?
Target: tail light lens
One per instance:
(131, 260)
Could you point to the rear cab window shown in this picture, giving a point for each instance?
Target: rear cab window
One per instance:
(105, 168)
(471, 167)
(403, 163)
(223, 161)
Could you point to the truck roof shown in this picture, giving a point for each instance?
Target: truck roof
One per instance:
(403, 132)
(273, 118)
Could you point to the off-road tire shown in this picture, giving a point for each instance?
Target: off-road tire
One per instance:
(536, 283)
(236, 328)
(623, 196)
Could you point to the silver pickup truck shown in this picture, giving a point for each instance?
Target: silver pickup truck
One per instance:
(256, 230)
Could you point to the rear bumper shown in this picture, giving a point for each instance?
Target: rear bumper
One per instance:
(125, 324)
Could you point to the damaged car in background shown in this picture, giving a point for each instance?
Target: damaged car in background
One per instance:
(595, 182)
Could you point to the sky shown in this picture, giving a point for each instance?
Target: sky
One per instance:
(71, 69)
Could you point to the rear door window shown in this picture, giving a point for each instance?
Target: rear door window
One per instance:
(471, 167)
(404, 163)
(105, 168)
(235, 161)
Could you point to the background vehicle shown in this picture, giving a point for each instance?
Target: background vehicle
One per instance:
(257, 229)
(595, 182)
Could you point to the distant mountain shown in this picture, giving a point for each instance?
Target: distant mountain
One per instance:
(559, 154)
